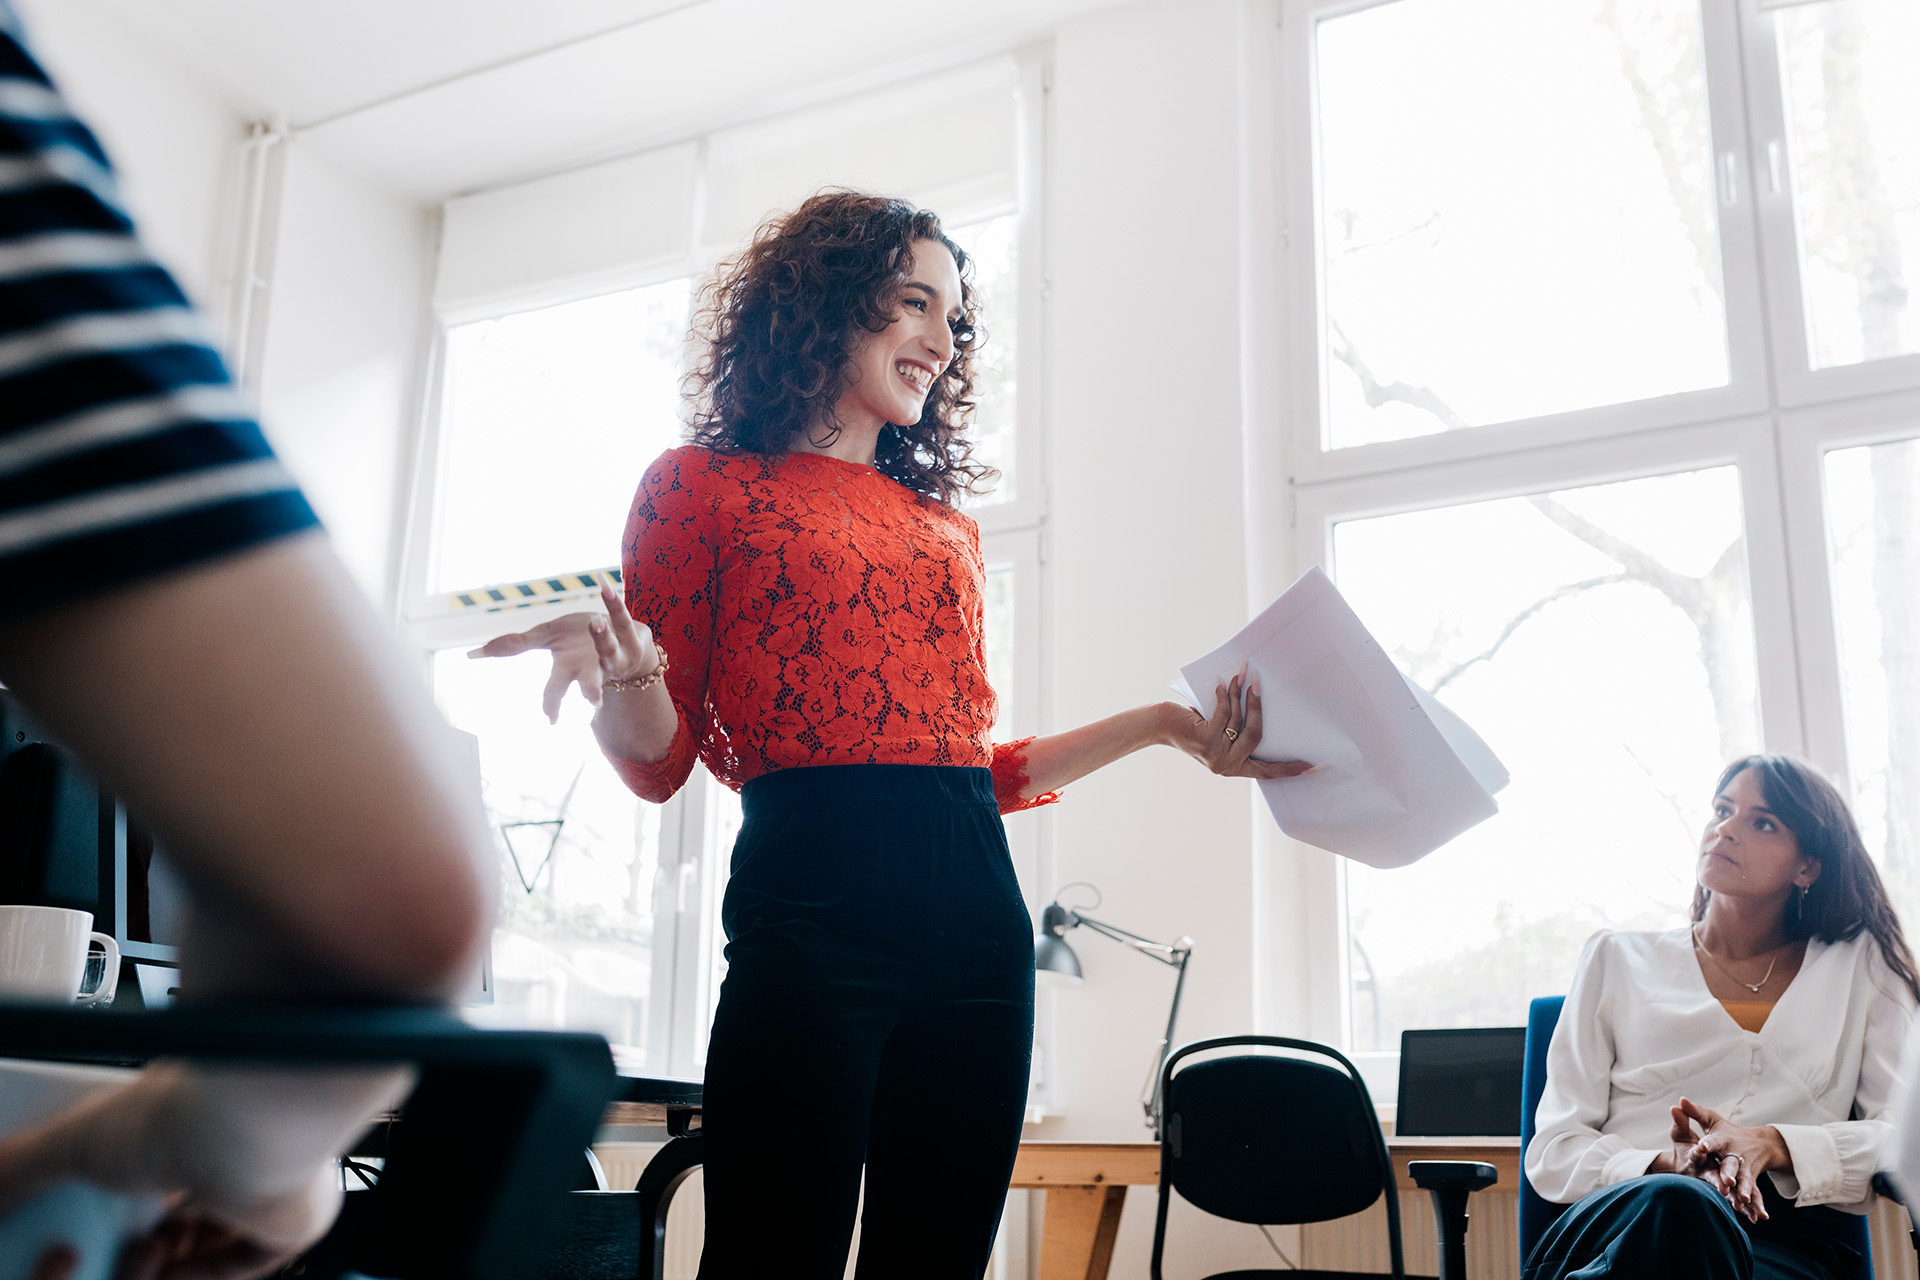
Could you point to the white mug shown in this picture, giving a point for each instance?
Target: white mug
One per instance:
(43, 955)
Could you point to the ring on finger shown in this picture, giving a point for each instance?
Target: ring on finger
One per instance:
(1232, 734)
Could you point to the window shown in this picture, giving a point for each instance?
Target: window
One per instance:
(549, 418)
(573, 946)
(993, 246)
(1853, 136)
(1517, 213)
(1609, 663)
(1873, 505)
(1611, 375)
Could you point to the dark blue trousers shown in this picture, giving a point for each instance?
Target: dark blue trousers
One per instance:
(877, 1012)
(1665, 1225)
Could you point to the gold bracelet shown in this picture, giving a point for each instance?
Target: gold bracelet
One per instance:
(634, 684)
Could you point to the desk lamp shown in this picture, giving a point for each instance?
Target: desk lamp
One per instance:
(1054, 960)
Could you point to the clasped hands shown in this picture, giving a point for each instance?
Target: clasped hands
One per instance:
(1727, 1157)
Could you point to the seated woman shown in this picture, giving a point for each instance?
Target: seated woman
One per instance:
(1715, 1095)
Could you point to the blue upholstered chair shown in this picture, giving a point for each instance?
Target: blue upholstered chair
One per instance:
(1536, 1213)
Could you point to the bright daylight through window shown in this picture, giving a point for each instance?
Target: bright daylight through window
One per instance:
(1521, 213)
(1517, 212)
(1853, 117)
(549, 419)
(1610, 664)
(1873, 497)
(992, 245)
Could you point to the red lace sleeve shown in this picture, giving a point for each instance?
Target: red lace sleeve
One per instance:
(670, 569)
(1010, 778)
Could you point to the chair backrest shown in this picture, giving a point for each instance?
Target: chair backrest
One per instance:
(1536, 1214)
(1271, 1139)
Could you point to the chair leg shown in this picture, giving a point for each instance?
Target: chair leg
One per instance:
(1450, 1216)
(1450, 1182)
(670, 1167)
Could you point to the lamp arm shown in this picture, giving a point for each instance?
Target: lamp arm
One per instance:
(1150, 1096)
(1169, 953)
(1175, 954)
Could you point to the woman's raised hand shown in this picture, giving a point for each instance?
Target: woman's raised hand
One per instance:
(588, 649)
(1225, 741)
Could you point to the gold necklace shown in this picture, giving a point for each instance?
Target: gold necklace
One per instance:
(1751, 986)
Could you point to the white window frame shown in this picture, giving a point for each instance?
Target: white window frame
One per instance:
(1806, 437)
(1771, 163)
(691, 871)
(1775, 420)
(1745, 392)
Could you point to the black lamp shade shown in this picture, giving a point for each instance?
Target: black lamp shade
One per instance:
(1051, 954)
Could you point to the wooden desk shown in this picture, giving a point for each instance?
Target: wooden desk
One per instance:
(1086, 1185)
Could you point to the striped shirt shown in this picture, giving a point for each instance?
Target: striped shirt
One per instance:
(125, 448)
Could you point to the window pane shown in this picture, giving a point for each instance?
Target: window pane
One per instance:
(1872, 495)
(573, 946)
(1853, 132)
(999, 642)
(548, 420)
(1601, 640)
(1517, 212)
(993, 248)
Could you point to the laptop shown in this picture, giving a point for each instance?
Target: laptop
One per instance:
(1460, 1082)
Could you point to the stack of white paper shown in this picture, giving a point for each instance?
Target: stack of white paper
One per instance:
(1403, 774)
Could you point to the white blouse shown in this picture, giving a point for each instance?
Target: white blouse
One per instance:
(1640, 1030)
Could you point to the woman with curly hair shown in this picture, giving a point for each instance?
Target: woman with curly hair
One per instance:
(804, 615)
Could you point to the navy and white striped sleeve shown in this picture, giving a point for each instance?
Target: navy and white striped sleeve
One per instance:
(125, 448)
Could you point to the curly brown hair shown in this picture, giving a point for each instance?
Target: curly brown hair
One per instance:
(776, 327)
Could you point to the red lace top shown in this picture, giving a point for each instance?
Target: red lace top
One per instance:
(816, 613)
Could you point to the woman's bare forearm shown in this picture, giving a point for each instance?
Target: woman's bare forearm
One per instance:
(1058, 759)
(637, 725)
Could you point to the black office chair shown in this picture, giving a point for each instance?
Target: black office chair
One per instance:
(475, 1170)
(1263, 1138)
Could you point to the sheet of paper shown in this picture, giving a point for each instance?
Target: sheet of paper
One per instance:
(1403, 774)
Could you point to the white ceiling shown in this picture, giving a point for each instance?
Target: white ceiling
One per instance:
(438, 97)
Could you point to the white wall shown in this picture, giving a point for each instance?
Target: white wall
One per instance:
(1148, 556)
(171, 136)
(344, 341)
(337, 383)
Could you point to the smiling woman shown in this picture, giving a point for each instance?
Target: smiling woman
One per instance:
(819, 605)
(773, 356)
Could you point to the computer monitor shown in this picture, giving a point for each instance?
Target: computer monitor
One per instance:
(1460, 1082)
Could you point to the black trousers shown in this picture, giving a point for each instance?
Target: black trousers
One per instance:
(877, 1012)
(1666, 1225)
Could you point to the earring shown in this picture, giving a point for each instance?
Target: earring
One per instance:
(1800, 907)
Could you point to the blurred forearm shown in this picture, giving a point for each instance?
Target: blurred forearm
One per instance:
(256, 715)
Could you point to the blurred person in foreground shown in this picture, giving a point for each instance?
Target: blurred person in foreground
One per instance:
(171, 612)
(1717, 1096)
